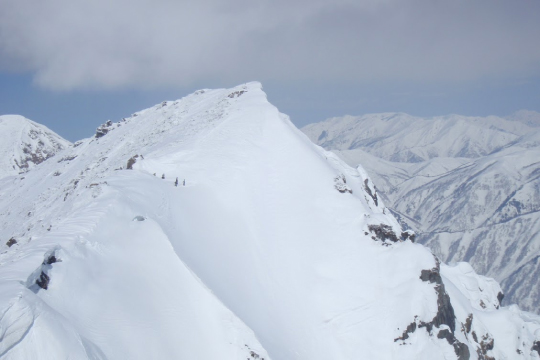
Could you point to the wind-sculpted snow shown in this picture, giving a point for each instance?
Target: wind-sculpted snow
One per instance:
(25, 144)
(483, 210)
(271, 248)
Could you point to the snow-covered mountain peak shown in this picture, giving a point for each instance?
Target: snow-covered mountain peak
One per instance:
(25, 144)
(210, 227)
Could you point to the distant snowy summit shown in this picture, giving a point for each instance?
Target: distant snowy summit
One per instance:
(268, 247)
(25, 144)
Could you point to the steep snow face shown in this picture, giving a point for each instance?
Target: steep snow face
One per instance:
(271, 239)
(25, 144)
(482, 210)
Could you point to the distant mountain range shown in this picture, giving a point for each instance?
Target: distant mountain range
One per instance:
(468, 186)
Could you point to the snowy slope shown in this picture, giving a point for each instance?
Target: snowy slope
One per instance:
(25, 144)
(271, 239)
(483, 210)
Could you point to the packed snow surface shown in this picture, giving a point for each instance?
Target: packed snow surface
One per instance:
(266, 247)
(468, 186)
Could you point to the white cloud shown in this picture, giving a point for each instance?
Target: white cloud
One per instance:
(146, 43)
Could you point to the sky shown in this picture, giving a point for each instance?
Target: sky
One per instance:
(74, 64)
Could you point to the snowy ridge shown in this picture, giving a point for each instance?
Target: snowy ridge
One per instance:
(25, 144)
(273, 248)
(483, 210)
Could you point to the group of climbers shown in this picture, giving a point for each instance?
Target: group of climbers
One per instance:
(176, 181)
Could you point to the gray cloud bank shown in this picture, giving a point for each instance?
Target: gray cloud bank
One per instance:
(71, 44)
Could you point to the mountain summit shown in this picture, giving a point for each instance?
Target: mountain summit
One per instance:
(25, 144)
(267, 246)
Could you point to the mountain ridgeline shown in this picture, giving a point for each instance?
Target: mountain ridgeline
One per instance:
(268, 247)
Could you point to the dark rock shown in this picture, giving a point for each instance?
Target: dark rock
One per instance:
(33, 155)
(50, 260)
(536, 347)
(468, 323)
(446, 334)
(483, 356)
(100, 132)
(482, 304)
(340, 183)
(487, 343)
(11, 242)
(383, 232)
(500, 297)
(460, 349)
(131, 161)
(445, 313)
(236, 94)
(252, 354)
(43, 281)
(103, 129)
(408, 235)
(373, 193)
(409, 330)
(431, 276)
